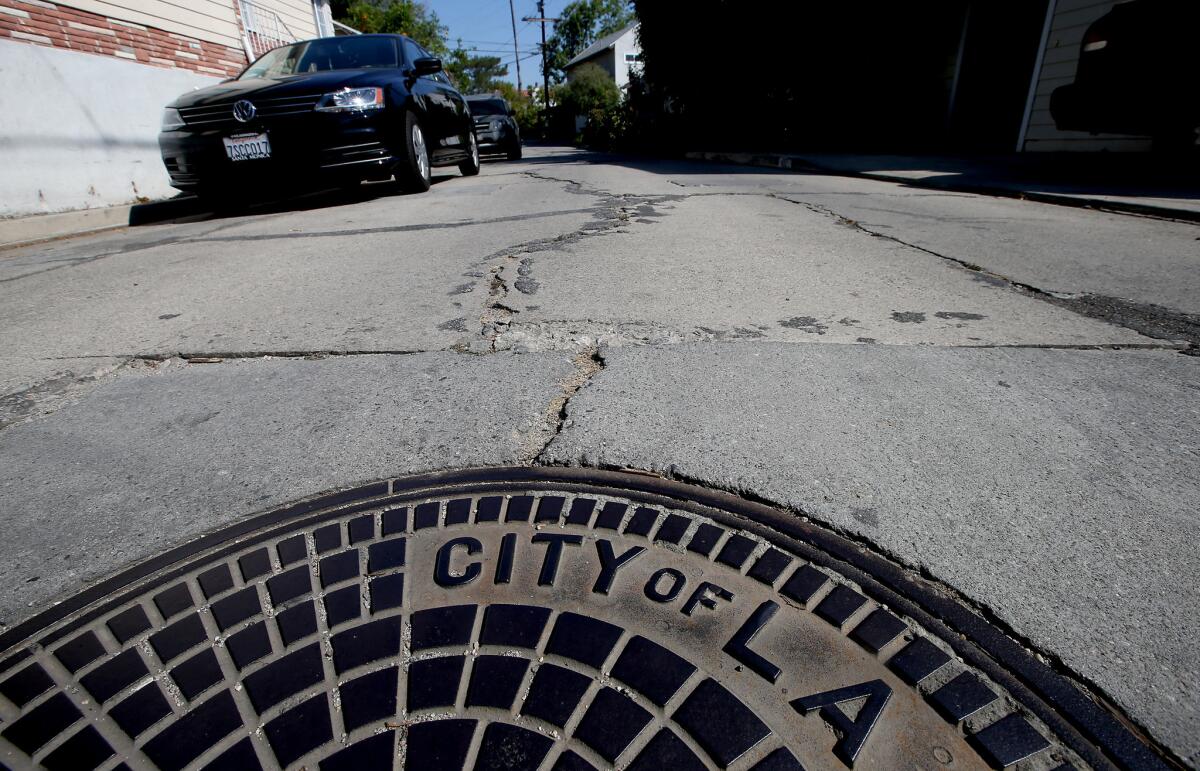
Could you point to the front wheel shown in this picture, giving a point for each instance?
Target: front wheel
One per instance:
(413, 172)
(470, 167)
(514, 152)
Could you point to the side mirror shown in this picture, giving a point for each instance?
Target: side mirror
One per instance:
(427, 65)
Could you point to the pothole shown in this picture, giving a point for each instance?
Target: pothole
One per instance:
(532, 618)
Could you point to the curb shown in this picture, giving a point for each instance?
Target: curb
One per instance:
(35, 228)
(798, 163)
(20, 231)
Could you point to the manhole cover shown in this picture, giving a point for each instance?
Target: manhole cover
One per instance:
(532, 619)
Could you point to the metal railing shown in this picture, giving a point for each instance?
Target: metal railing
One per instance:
(344, 29)
(262, 29)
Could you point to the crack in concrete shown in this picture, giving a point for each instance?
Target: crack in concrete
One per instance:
(609, 215)
(555, 418)
(1147, 319)
(496, 315)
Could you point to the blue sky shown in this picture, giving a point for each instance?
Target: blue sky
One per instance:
(487, 26)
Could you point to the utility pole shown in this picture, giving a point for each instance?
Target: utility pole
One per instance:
(545, 62)
(516, 52)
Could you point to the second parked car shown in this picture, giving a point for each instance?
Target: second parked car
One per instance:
(495, 125)
(340, 109)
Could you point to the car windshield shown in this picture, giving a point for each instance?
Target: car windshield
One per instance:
(341, 53)
(481, 107)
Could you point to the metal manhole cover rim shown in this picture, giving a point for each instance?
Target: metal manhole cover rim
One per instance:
(1086, 727)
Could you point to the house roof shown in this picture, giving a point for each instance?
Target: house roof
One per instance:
(606, 42)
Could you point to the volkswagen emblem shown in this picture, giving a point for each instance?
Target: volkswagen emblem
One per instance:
(244, 110)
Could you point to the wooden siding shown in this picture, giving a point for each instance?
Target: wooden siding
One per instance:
(210, 20)
(43, 23)
(1060, 59)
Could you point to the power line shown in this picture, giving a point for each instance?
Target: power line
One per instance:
(533, 51)
(485, 42)
(515, 61)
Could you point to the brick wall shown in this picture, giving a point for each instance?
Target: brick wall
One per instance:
(49, 24)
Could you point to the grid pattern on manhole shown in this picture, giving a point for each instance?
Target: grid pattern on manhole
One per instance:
(297, 647)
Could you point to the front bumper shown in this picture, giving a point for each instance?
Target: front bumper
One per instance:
(500, 139)
(313, 146)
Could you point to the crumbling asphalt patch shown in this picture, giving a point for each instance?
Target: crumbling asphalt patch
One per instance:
(533, 618)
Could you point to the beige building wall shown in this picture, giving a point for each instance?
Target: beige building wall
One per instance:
(212, 20)
(215, 21)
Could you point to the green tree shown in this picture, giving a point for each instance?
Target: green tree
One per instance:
(580, 24)
(590, 89)
(474, 74)
(405, 17)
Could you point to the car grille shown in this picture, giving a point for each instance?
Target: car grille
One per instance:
(221, 114)
(482, 125)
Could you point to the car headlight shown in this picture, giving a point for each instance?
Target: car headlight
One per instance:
(172, 120)
(493, 125)
(351, 100)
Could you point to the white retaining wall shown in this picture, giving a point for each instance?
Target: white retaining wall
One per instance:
(79, 131)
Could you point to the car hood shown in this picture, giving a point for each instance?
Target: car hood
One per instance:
(292, 85)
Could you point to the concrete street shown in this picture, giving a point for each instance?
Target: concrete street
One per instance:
(1002, 394)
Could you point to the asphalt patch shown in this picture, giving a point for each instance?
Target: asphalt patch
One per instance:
(532, 618)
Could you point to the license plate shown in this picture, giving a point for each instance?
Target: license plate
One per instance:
(245, 147)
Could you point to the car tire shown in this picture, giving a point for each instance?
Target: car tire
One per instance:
(470, 167)
(514, 152)
(414, 173)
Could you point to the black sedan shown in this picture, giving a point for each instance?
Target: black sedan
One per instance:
(495, 125)
(338, 110)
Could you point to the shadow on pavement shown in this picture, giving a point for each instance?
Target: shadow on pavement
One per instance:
(189, 208)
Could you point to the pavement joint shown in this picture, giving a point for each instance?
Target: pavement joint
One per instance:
(54, 393)
(51, 394)
(209, 357)
(70, 262)
(388, 229)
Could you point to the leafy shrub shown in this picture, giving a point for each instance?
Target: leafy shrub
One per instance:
(590, 88)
